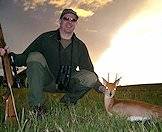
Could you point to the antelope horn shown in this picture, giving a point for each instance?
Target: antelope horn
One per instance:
(108, 77)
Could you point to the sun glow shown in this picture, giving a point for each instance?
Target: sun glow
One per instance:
(135, 49)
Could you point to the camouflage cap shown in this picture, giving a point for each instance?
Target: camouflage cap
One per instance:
(68, 11)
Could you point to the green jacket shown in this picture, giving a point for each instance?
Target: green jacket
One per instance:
(76, 54)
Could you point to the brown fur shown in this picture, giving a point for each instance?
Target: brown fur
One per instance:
(132, 108)
(128, 107)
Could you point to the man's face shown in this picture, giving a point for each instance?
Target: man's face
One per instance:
(68, 23)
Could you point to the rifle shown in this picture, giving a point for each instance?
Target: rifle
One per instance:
(10, 109)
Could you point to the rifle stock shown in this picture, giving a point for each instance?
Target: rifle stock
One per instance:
(10, 113)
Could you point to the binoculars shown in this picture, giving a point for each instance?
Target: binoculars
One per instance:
(63, 77)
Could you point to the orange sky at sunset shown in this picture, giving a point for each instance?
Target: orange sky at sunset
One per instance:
(123, 36)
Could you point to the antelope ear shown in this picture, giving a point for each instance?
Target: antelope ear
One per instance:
(104, 81)
(117, 81)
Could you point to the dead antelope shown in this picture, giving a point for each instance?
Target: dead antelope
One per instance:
(134, 110)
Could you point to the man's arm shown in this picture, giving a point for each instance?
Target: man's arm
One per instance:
(35, 46)
(85, 60)
(86, 63)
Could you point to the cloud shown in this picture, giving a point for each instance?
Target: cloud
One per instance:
(91, 30)
(31, 4)
(84, 8)
(83, 12)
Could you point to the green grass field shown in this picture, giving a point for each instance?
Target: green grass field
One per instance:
(88, 115)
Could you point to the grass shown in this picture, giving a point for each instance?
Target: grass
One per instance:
(88, 115)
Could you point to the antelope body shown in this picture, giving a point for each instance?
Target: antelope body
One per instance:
(134, 110)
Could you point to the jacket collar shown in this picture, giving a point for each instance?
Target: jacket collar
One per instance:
(59, 36)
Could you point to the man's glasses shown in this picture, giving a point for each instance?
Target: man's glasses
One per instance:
(69, 19)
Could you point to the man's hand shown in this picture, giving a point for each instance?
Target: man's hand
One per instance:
(102, 88)
(4, 50)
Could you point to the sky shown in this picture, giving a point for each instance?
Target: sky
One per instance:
(124, 37)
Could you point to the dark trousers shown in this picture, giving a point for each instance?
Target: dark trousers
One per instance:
(40, 79)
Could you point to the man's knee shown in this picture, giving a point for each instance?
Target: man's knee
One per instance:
(36, 57)
(86, 78)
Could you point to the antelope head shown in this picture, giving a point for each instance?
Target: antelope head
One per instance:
(110, 87)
